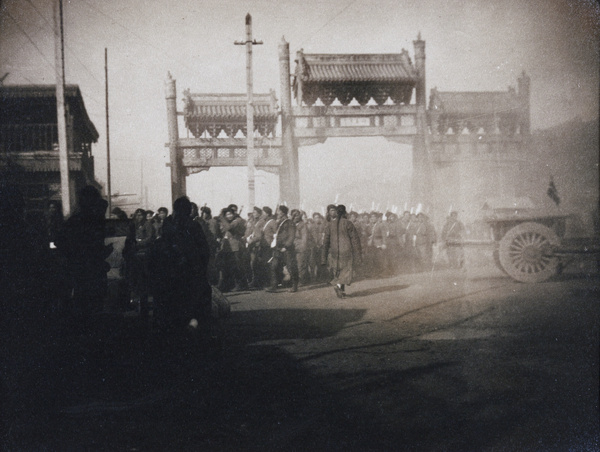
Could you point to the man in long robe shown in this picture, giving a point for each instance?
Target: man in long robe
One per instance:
(341, 251)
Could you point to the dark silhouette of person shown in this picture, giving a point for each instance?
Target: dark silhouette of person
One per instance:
(178, 268)
(81, 243)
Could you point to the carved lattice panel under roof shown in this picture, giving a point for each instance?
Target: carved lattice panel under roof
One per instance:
(354, 76)
(217, 113)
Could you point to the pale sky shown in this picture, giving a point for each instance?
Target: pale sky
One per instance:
(472, 45)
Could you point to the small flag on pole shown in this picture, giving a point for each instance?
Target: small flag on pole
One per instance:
(552, 192)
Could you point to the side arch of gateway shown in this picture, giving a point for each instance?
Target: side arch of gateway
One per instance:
(466, 146)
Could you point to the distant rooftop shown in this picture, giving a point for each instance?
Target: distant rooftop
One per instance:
(474, 103)
(17, 100)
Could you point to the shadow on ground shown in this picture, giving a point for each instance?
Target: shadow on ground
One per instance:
(122, 389)
(377, 290)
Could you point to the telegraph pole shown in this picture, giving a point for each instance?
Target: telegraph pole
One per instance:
(61, 120)
(250, 153)
(108, 188)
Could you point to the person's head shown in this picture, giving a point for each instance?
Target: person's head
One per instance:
(228, 214)
(296, 215)
(149, 215)
(182, 208)
(139, 216)
(332, 211)
(341, 211)
(205, 213)
(268, 211)
(282, 212)
(163, 212)
(91, 202)
(194, 213)
(234, 208)
(119, 213)
(256, 213)
(406, 214)
(373, 217)
(317, 217)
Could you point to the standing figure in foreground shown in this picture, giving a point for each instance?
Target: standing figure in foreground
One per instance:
(341, 251)
(82, 245)
(179, 264)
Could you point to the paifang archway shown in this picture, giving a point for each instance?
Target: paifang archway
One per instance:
(381, 84)
(467, 147)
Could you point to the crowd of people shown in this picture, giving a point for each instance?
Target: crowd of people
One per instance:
(287, 248)
(182, 255)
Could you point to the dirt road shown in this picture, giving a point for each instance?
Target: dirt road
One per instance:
(446, 361)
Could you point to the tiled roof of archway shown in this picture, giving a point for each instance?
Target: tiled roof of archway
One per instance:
(392, 67)
(475, 103)
(229, 107)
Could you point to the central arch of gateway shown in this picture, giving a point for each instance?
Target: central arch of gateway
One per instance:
(467, 147)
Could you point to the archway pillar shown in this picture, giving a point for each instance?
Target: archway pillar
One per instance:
(178, 182)
(422, 184)
(289, 175)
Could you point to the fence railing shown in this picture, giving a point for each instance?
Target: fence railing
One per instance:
(28, 137)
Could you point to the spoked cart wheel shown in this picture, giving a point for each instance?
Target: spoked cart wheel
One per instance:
(525, 252)
(496, 255)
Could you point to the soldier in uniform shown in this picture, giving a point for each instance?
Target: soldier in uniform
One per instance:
(253, 241)
(393, 243)
(424, 239)
(316, 229)
(301, 246)
(404, 264)
(283, 250)
(452, 235)
(377, 244)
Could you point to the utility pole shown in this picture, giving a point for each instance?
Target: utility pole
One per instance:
(61, 120)
(108, 188)
(250, 153)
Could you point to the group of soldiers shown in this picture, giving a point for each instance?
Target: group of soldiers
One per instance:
(270, 250)
(266, 251)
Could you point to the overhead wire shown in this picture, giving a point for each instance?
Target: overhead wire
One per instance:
(29, 39)
(71, 51)
(141, 38)
(22, 30)
(328, 22)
